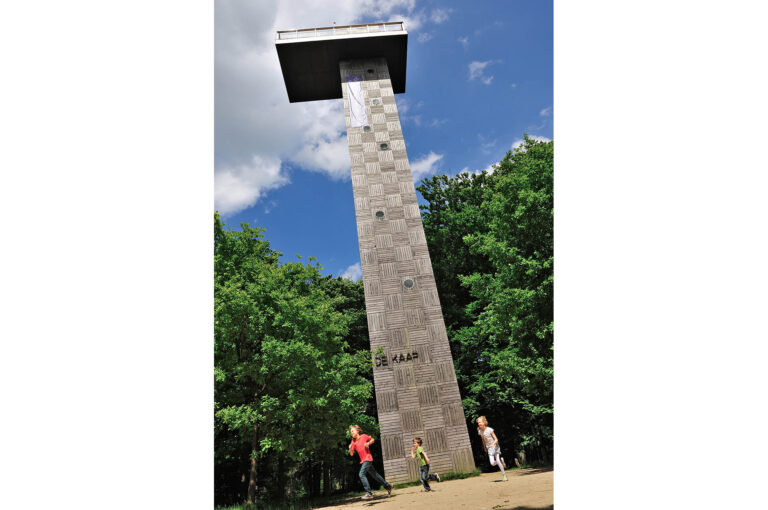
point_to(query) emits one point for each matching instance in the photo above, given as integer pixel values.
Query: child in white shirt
(491, 443)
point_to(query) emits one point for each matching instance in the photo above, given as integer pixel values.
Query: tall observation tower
(416, 389)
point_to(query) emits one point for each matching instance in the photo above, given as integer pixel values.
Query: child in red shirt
(361, 443)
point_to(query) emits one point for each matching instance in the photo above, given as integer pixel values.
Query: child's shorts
(492, 452)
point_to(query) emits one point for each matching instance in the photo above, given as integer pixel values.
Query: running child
(423, 463)
(361, 443)
(491, 443)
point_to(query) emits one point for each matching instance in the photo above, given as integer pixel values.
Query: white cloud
(489, 169)
(239, 187)
(403, 105)
(413, 21)
(405, 110)
(424, 37)
(464, 41)
(519, 142)
(324, 155)
(477, 69)
(353, 272)
(437, 122)
(485, 144)
(257, 131)
(440, 15)
(546, 112)
(268, 207)
(425, 165)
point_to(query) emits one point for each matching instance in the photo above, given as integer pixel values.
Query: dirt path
(527, 489)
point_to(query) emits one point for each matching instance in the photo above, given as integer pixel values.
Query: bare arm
(369, 443)
(413, 455)
(495, 439)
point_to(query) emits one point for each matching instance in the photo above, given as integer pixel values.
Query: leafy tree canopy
(286, 380)
(490, 236)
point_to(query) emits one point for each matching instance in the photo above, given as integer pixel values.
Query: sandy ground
(527, 489)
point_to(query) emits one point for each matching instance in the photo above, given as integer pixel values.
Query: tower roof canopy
(310, 57)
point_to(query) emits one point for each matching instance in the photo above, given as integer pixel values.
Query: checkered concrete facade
(416, 389)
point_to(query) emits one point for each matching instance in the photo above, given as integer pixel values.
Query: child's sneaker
(368, 495)
(505, 478)
(437, 477)
(389, 491)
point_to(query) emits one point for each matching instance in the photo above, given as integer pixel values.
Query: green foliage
(286, 383)
(491, 238)
(292, 358)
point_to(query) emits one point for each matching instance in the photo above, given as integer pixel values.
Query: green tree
(286, 382)
(493, 234)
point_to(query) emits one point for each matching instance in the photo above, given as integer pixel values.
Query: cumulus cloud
(425, 165)
(325, 155)
(486, 144)
(477, 71)
(258, 133)
(239, 187)
(546, 112)
(413, 21)
(424, 37)
(403, 105)
(440, 15)
(489, 169)
(353, 272)
(406, 110)
(476, 68)
(464, 41)
(519, 142)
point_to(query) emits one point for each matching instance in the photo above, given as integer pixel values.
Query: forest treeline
(292, 360)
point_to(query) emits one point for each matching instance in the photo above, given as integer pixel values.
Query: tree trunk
(281, 480)
(253, 487)
(326, 479)
(314, 477)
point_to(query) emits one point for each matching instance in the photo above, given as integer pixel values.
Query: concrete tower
(416, 389)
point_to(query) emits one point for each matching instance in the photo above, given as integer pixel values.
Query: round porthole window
(384, 146)
(376, 101)
(408, 283)
(379, 215)
(367, 128)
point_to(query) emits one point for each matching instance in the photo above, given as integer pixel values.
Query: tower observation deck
(416, 389)
(310, 57)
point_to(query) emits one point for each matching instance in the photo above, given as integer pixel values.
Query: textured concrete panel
(416, 389)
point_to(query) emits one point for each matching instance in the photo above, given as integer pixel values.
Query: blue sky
(479, 76)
